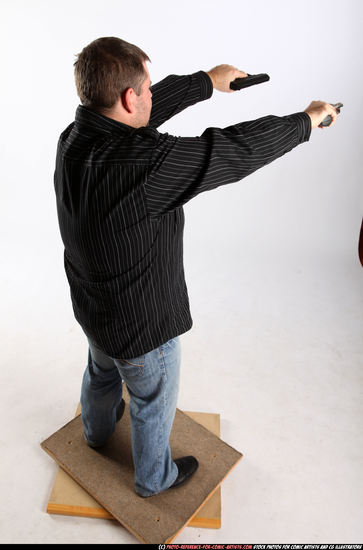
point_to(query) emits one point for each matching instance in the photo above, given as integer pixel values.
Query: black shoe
(120, 410)
(187, 465)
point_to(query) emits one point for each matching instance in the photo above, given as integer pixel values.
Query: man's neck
(118, 116)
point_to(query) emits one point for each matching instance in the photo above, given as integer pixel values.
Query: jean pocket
(132, 367)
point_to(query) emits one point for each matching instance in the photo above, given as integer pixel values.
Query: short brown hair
(106, 68)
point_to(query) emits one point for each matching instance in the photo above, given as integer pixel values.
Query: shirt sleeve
(175, 93)
(183, 167)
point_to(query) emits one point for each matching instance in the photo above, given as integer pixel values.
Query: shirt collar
(87, 117)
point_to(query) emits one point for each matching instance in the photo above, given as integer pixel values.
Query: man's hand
(223, 75)
(318, 110)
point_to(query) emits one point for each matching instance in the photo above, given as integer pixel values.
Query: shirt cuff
(206, 86)
(303, 124)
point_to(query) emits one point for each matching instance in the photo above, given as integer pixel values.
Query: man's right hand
(222, 75)
(318, 110)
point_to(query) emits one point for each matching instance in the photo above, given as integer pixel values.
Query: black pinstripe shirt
(120, 194)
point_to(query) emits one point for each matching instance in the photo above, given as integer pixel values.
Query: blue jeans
(152, 381)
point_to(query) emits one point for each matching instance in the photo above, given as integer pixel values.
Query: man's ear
(127, 98)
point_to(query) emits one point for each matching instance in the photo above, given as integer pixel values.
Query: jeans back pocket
(132, 367)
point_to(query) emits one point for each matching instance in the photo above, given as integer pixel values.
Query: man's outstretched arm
(175, 93)
(183, 167)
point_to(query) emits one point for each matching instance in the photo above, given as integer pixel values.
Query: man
(120, 187)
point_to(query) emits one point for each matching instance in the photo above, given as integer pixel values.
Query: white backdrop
(258, 253)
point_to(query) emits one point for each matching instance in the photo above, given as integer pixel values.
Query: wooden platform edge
(102, 513)
(82, 511)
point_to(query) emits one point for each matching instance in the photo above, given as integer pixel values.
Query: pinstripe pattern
(120, 193)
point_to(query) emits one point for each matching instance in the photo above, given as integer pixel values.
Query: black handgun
(327, 120)
(248, 80)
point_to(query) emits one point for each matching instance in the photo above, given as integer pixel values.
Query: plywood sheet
(107, 474)
(69, 498)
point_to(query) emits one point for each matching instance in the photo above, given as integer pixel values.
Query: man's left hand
(222, 75)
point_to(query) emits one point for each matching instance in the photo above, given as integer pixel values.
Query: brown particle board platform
(107, 478)
(69, 498)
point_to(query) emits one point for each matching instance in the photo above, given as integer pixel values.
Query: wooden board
(69, 498)
(107, 474)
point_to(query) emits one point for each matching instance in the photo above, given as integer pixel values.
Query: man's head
(112, 78)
